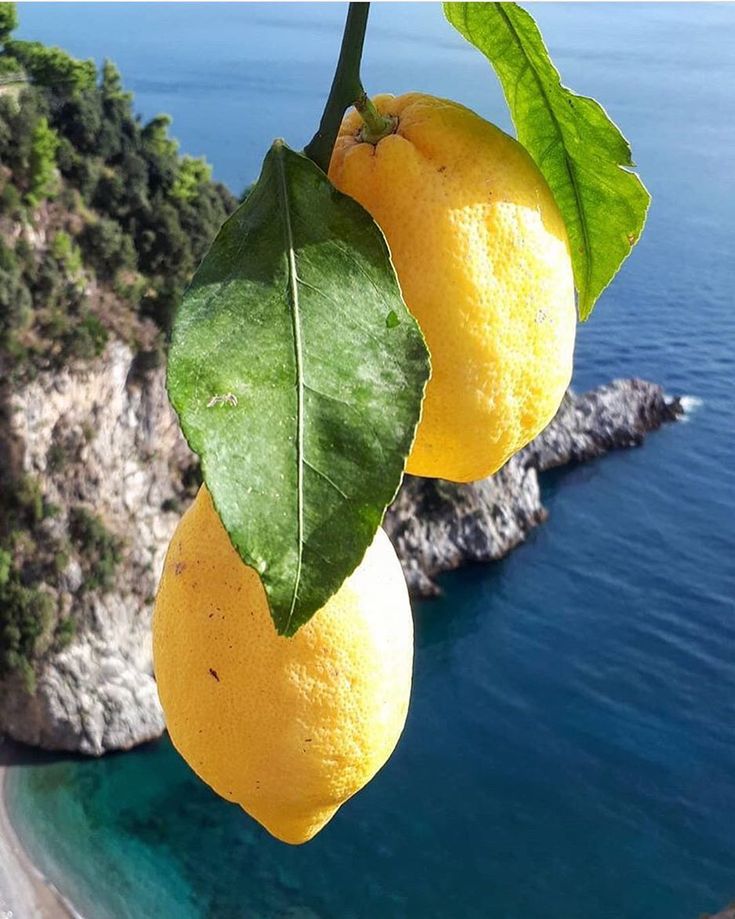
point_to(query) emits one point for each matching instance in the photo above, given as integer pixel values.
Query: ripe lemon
(289, 728)
(482, 256)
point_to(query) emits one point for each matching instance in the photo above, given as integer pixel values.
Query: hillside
(102, 223)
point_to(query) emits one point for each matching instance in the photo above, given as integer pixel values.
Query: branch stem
(347, 90)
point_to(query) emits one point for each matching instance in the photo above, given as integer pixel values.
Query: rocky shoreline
(125, 462)
(438, 526)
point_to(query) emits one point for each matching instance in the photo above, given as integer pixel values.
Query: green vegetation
(107, 248)
(31, 559)
(8, 20)
(102, 224)
(114, 197)
(25, 613)
(25, 609)
(56, 458)
(52, 67)
(67, 253)
(193, 173)
(99, 549)
(42, 163)
(65, 631)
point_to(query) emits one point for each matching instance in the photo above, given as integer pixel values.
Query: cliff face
(104, 442)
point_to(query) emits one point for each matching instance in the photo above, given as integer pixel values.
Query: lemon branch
(347, 90)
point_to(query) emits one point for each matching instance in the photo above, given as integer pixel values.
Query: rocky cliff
(105, 449)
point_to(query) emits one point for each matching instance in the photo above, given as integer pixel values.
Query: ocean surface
(570, 749)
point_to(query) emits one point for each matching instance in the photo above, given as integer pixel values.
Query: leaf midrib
(567, 160)
(293, 294)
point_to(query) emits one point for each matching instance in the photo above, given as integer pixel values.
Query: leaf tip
(279, 147)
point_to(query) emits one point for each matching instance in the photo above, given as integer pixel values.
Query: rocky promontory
(437, 526)
(108, 469)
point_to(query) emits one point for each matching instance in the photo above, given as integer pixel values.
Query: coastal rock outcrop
(437, 526)
(104, 446)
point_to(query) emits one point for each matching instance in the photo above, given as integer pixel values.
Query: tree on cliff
(102, 223)
(8, 20)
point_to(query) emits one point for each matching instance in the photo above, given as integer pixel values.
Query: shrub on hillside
(107, 248)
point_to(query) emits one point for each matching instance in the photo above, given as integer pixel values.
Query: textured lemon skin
(482, 256)
(289, 728)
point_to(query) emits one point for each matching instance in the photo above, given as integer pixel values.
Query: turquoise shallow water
(570, 749)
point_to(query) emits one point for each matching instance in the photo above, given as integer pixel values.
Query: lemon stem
(375, 125)
(347, 90)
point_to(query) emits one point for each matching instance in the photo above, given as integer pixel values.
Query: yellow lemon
(289, 728)
(482, 256)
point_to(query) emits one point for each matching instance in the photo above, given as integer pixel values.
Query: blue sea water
(570, 749)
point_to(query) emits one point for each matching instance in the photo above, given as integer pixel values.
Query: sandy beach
(24, 892)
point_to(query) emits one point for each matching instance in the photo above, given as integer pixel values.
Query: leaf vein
(568, 165)
(293, 293)
(323, 475)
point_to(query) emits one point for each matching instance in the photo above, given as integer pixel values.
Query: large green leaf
(580, 151)
(297, 374)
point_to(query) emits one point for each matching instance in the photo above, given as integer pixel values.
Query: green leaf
(294, 386)
(581, 152)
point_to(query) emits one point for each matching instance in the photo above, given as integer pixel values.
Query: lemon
(482, 257)
(289, 728)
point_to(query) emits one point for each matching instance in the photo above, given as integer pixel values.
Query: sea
(570, 748)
